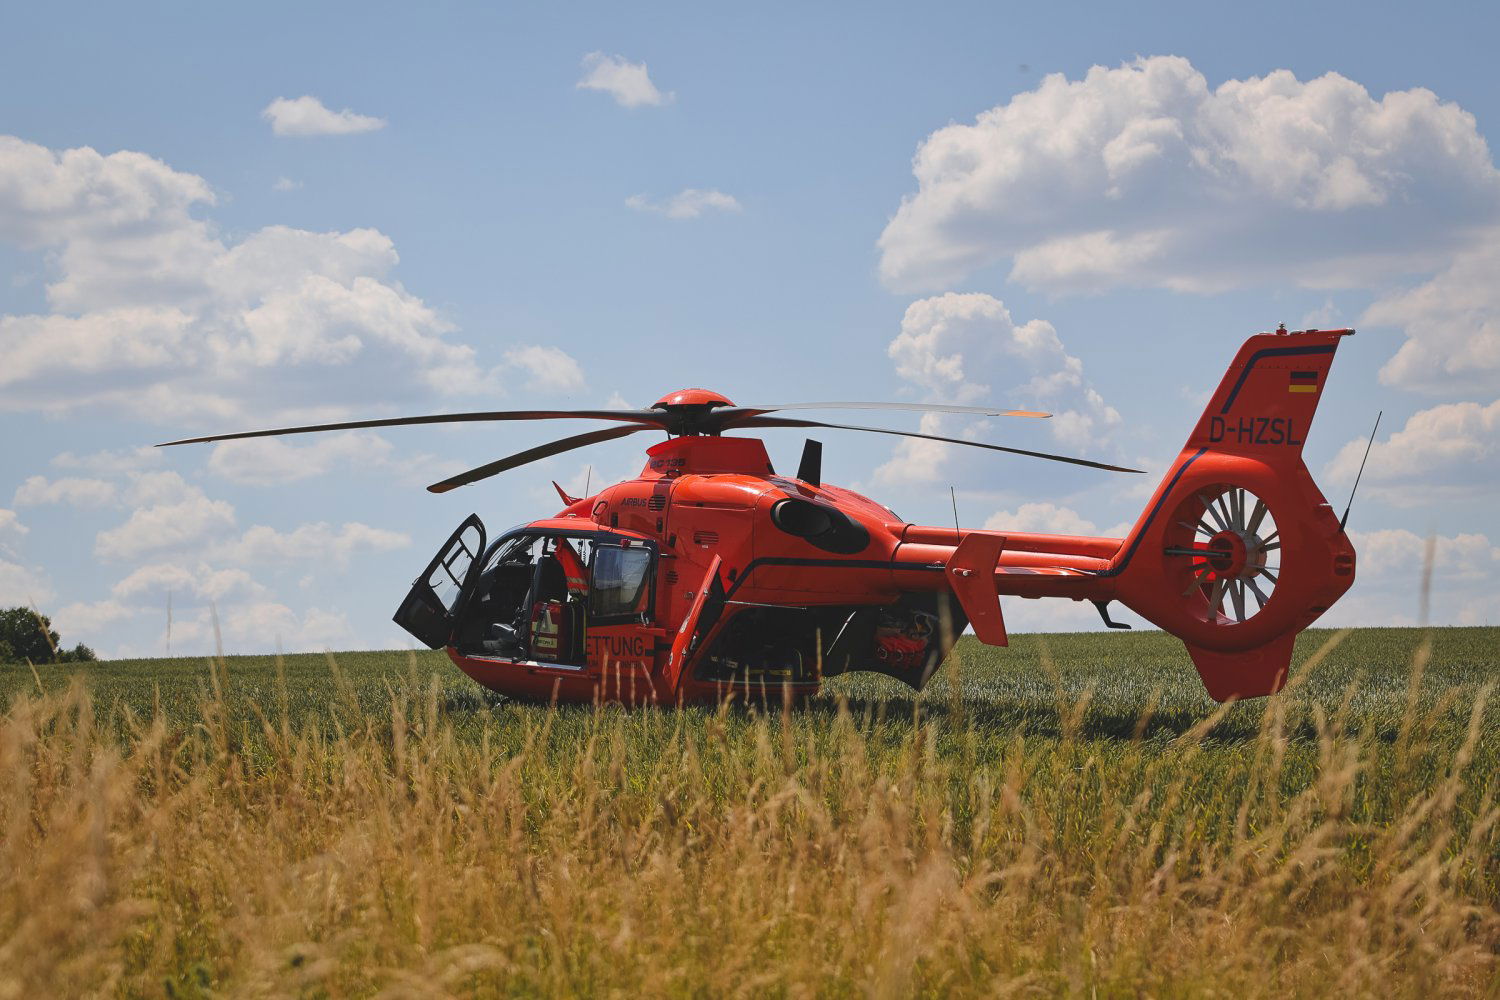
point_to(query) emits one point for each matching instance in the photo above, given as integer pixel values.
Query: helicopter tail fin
(1238, 550)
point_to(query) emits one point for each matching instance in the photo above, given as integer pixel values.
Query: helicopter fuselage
(755, 581)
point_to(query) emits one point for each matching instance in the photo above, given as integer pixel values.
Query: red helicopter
(710, 574)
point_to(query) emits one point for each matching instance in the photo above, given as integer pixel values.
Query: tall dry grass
(602, 851)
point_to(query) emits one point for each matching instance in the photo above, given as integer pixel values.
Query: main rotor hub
(692, 397)
(689, 411)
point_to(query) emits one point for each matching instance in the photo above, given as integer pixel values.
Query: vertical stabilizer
(1238, 550)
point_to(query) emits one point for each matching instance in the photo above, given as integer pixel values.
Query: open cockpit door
(431, 607)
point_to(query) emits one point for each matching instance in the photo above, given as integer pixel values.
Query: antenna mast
(1345, 519)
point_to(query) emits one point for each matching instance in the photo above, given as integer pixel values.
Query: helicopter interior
(537, 596)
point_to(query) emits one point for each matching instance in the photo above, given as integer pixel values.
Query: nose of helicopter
(692, 397)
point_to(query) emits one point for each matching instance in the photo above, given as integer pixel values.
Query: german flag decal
(1303, 382)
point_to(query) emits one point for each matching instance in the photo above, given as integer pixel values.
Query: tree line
(27, 635)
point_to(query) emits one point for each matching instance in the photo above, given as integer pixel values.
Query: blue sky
(1081, 208)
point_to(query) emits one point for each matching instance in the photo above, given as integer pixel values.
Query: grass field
(1068, 816)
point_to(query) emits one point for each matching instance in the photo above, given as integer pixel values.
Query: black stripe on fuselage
(755, 564)
(1155, 509)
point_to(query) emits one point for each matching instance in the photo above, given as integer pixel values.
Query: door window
(428, 612)
(620, 586)
(447, 577)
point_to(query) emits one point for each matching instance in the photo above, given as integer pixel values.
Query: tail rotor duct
(1226, 549)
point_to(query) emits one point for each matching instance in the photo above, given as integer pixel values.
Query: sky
(218, 218)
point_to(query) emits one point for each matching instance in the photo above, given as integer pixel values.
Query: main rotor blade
(535, 454)
(646, 418)
(793, 422)
(730, 416)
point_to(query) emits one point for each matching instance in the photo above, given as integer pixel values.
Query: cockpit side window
(620, 585)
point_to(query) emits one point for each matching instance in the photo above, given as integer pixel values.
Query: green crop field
(1071, 815)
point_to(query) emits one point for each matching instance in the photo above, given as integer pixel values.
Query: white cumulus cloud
(1042, 518)
(1451, 450)
(70, 490)
(1144, 175)
(82, 620)
(1397, 553)
(316, 542)
(689, 203)
(264, 626)
(277, 461)
(547, 368)
(158, 486)
(23, 585)
(955, 347)
(10, 525)
(199, 580)
(274, 461)
(1452, 325)
(1465, 584)
(916, 461)
(627, 82)
(1052, 519)
(306, 115)
(153, 312)
(110, 463)
(173, 515)
(50, 197)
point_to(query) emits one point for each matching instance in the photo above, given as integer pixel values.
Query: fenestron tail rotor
(1227, 550)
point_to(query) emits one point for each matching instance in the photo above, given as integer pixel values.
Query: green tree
(28, 635)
